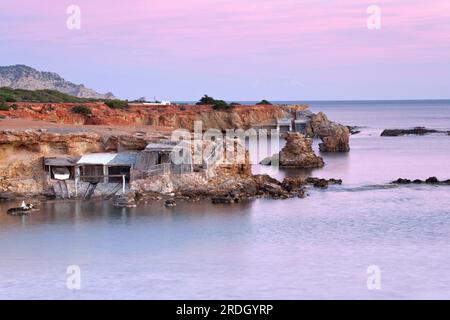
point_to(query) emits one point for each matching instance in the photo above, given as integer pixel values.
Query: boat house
(61, 168)
(156, 159)
(106, 167)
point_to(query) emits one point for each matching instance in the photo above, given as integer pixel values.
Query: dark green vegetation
(3, 106)
(264, 102)
(117, 104)
(217, 104)
(20, 95)
(81, 109)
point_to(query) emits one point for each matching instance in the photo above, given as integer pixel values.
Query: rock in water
(420, 131)
(170, 203)
(127, 200)
(298, 152)
(335, 137)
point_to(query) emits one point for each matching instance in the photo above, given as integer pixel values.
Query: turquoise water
(317, 247)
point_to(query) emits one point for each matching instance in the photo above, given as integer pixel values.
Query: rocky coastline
(22, 172)
(228, 190)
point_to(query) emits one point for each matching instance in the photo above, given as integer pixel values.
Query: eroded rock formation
(298, 152)
(335, 137)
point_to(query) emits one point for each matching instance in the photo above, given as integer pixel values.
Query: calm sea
(318, 247)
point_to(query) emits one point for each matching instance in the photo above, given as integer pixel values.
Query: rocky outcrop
(227, 191)
(420, 131)
(430, 180)
(24, 77)
(156, 184)
(298, 152)
(335, 137)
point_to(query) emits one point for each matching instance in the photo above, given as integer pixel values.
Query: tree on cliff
(206, 100)
(217, 104)
(264, 102)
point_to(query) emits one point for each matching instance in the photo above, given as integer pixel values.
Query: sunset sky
(236, 49)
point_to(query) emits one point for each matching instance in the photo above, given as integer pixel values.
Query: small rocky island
(418, 131)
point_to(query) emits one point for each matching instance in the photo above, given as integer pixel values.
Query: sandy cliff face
(175, 116)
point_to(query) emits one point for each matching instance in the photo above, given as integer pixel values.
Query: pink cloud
(312, 32)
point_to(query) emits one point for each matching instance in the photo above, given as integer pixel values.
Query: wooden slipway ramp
(90, 190)
(61, 190)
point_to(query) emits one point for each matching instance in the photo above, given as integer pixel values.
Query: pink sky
(247, 49)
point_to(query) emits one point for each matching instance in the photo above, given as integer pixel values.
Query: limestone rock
(298, 152)
(159, 184)
(335, 137)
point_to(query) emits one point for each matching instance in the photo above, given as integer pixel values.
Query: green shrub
(221, 104)
(264, 102)
(217, 104)
(81, 110)
(117, 104)
(3, 106)
(14, 106)
(206, 100)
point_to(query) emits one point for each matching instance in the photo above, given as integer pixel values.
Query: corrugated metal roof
(97, 158)
(124, 159)
(110, 159)
(61, 161)
(160, 147)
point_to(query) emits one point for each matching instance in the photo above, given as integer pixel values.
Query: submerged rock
(298, 152)
(323, 183)
(430, 180)
(271, 161)
(264, 186)
(170, 203)
(127, 200)
(414, 131)
(353, 129)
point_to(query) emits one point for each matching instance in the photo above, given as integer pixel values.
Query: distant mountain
(24, 77)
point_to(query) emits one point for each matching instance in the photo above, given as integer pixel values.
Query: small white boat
(24, 209)
(61, 173)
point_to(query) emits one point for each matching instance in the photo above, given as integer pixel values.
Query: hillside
(47, 95)
(24, 77)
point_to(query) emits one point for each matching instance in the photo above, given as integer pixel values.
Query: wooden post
(105, 174)
(123, 184)
(77, 177)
